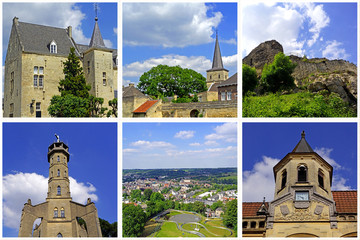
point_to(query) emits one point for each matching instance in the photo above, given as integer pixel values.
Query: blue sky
(179, 145)
(177, 34)
(78, 15)
(265, 144)
(92, 166)
(303, 28)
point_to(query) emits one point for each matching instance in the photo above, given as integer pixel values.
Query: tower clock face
(302, 196)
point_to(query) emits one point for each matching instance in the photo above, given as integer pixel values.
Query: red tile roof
(346, 201)
(250, 208)
(145, 106)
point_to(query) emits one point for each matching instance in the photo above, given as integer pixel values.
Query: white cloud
(339, 183)
(148, 144)
(168, 24)
(115, 30)
(211, 143)
(325, 154)
(333, 50)
(108, 43)
(196, 144)
(184, 134)
(262, 172)
(197, 63)
(19, 187)
(226, 132)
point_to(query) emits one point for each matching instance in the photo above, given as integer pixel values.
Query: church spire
(217, 63)
(303, 145)
(96, 38)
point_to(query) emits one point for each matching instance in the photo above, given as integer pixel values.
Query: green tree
(134, 219)
(156, 197)
(230, 215)
(165, 81)
(199, 207)
(74, 99)
(135, 195)
(249, 78)
(113, 104)
(277, 75)
(147, 194)
(107, 229)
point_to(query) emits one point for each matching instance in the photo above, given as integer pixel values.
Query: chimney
(69, 31)
(15, 20)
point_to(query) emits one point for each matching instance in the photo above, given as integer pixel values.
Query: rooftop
(145, 106)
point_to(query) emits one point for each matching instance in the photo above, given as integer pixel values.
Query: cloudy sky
(92, 166)
(265, 144)
(304, 28)
(78, 15)
(179, 145)
(177, 34)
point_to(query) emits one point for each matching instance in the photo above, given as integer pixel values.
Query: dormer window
(53, 47)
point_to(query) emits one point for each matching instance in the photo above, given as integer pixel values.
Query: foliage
(230, 215)
(74, 99)
(135, 195)
(277, 75)
(107, 229)
(147, 194)
(216, 205)
(134, 219)
(302, 104)
(113, 104)
(249, 78)
(165, 81)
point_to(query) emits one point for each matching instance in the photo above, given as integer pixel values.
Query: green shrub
(249, 78)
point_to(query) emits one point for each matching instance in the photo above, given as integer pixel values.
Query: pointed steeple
(217, 63)
(302, 146)
(96, 38)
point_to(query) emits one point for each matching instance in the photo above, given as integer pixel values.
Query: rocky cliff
(314, 74)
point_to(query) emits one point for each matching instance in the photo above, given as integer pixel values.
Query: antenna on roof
(96, 10)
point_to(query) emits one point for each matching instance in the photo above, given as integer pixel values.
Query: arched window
(53, 47)
(253, 225)
(58, 158)
(62, 212)
(261, 224)
(283, 179)
(58, 190)
(302, 172)
(321, 178)
(56, 213)
(245, 224)
(59, 235)
(58, 173)
(65, 174)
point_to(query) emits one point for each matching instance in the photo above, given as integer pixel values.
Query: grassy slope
(169, 229)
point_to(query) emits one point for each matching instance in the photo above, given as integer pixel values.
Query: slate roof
(251, 208)
(96, 38)
(145, 106)
(230, 81)
(302, 146)
(346, 201)
(217, 63)
(213, 87)
(37, 38)
(131, 91)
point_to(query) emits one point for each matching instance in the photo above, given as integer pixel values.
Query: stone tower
(217, 73)
(302, 195)
(98, 67)
(60, 216)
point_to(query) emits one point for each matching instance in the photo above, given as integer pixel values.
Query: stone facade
(33, 71)
(59, 214)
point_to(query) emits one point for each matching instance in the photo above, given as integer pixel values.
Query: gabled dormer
(53, 47)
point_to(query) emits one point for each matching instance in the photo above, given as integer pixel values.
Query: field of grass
(213, 231)
(173, 213)
(229, 177)
(149, 228)
(169, 229)
(216, 223)
(302, 104)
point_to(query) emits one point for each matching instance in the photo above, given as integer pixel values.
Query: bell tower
(58, 158)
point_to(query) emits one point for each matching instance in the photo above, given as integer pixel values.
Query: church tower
(98, 67)
(217, 73)
(59, 215)
(302, 195)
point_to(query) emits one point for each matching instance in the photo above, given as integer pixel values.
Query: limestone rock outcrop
(316, 74)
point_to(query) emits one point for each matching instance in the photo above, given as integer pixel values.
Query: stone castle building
(304, 204)
(220, 100)
(60, 216)
(34, 66)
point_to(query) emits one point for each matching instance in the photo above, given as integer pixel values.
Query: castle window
(56, 213)
(58, 173)
(41, 78)
(222, 96)
(11, 82)
(261, 224)
(59, 190)
(104, 78)
(253, 225)
(219, 76)
(321, 179)
(11, 107)
(228, 96)
(35, 80)
(88, 66)
(38, 75)
(58, 158)
(302, 174)
(245, 224)
(59, 235)
(210, 77)
(38, 109)
(62, 212)
(36, 70)
(283, 179)
(53, 47)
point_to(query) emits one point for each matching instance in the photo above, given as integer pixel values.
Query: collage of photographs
(178, 150)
